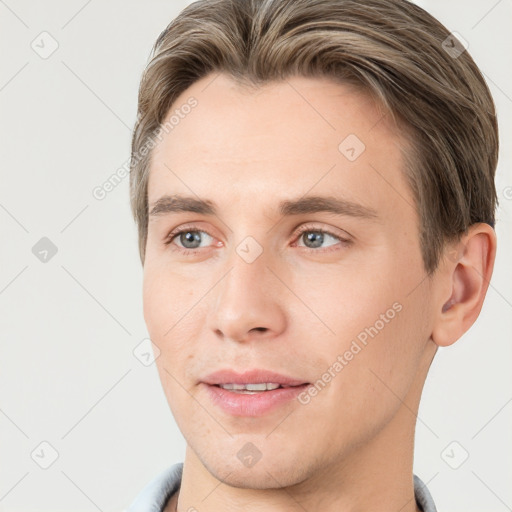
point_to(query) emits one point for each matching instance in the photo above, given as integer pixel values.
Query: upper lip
(255, 376)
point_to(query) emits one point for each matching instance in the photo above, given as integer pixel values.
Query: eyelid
(180, 229)
(312, 227)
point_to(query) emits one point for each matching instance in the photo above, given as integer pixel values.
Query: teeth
(264, 386)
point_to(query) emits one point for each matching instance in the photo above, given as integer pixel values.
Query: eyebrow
(308, 204)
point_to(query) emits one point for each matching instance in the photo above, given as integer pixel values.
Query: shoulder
(154, 495)
(423, 497)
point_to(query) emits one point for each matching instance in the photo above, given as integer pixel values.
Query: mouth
(252, 380)
(251, 393)
(254, 388)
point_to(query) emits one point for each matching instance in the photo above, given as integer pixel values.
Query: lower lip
(241, 404)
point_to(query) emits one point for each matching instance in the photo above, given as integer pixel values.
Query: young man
(313, 182)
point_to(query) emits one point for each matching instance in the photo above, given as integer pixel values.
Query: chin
(273, 474)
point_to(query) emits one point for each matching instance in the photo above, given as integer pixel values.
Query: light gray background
(68, 327)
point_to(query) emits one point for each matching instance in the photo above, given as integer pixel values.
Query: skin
(294, 311)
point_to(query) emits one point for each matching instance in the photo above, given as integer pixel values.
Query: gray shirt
(155, 494)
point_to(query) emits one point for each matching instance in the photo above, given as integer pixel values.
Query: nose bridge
(246, 298)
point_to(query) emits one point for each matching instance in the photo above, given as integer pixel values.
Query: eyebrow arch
(309, 204)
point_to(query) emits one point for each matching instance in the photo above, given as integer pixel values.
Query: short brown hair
(392, 49)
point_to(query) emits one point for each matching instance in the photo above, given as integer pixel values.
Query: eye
(317, 237)
(189, 238)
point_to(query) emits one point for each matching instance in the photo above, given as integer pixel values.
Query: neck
(374, 476)
(377, 476)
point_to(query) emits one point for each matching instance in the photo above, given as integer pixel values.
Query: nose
(248, 302)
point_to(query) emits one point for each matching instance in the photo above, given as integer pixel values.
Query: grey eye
(315, 238)
(191, 239)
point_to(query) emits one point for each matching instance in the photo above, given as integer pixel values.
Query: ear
(468, 267)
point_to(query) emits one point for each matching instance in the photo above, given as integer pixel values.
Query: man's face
(291, 292)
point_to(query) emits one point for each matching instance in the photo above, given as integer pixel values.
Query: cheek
(164, 299)
(345, 301)
(171, 321)
(153, 305)
(392, 343)
(372, 322)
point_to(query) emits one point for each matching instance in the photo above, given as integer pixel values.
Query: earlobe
(449, 327)
(468, 274)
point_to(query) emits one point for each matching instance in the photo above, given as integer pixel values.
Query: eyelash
(304, 229)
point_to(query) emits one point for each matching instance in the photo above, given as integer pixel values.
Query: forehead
(279, 140)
